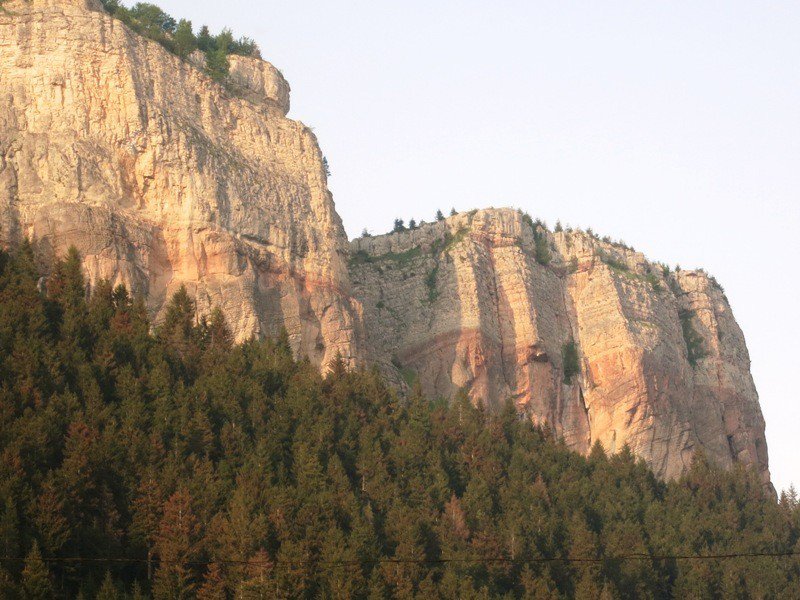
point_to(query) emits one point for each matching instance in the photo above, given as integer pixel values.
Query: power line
(359, 562)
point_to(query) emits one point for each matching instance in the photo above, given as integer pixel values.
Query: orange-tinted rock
(161, 177)
(464, 303)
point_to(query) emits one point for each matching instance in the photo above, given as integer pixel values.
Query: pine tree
(9, 531)
(205, 42)
(147, 513)
(337, 368)
(35, 576)
(213, 587)
(108, 589)
(217, 64)
(219, 334)
(180, 315)
(177, 546)
(439, 215)
(183, 40)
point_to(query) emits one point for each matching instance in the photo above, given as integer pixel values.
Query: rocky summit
(163, 177)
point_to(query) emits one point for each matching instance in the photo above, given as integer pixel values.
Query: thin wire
(535, 559)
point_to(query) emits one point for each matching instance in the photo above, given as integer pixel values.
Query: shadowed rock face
(464, 303)
(161, 177)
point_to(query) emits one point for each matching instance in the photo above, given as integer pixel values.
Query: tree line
(179, 38)
(167, 461)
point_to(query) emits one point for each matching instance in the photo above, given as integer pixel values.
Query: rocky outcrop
(161, 177)
(661, 363)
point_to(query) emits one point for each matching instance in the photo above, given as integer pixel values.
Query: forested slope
(176, 464)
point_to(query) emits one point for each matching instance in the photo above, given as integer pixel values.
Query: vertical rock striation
(663, 366)
(161, 177)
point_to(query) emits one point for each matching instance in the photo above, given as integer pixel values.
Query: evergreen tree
(217, 65)
(108, 589)
(205, 42)
(177, 547)
(9, 531)
(184, 40)
(213, 587)
(439, 215)
(182, 447)
(35, 577)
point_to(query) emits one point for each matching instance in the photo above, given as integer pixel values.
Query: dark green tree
(36, 583)
(184, 40)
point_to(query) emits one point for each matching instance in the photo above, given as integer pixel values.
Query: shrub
(693, 340)
(612, 262)
(543, 255)
(569, 356)
(430, 283)
(654, 282)
(573, 264)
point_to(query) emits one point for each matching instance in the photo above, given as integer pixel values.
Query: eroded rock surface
(464, 303)
(161, 177)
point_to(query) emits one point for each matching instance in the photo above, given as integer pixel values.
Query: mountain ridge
(162, 178)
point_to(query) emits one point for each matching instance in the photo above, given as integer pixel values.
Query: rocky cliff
(162, 177)
(596, 342)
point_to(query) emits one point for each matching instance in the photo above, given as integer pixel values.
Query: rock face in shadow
(661, 363)
(161, 177)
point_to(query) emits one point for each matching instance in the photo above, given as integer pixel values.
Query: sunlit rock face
(161, 177)
(463, 303)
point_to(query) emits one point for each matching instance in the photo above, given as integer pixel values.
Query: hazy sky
(674, 126)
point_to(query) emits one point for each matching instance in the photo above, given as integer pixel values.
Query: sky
(674, 126)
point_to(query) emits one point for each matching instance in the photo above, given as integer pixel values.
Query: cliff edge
(584, 335)
(162, 177)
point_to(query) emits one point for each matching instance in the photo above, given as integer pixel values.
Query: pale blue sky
(672, 125)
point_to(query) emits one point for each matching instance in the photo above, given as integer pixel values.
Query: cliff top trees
(152, 22)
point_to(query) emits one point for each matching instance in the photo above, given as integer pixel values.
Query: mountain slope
(163, 178)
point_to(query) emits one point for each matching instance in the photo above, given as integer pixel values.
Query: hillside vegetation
(172, 463)
(178, 36)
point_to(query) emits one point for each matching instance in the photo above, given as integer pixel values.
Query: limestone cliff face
(464, 303)
(161, 177)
